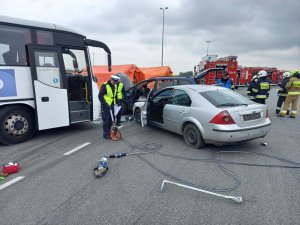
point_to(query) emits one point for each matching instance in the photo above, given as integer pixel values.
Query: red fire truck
(246, 74)
(228, 63)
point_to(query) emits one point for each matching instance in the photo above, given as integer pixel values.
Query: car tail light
(223, 118)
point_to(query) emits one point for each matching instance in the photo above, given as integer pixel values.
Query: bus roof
(35, 24)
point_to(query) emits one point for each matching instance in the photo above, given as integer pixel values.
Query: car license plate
(253, 116)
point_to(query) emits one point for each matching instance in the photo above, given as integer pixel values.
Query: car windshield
(225, 98)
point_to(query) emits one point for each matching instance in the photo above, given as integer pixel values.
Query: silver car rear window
(225, 98)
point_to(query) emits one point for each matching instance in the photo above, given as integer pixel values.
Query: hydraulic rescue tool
(103, 162)
(102, 167)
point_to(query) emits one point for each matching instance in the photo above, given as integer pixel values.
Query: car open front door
(144, 110)
(144, 120)
(51, 98)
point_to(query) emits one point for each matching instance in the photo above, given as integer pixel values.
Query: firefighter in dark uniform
(107, 97)
(121, 95)
(251, 91)
(262, 87)
(282, 92)
(293, 88)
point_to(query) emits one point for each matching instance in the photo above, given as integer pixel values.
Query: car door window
(180, 97)
(164, 83)
(165, 94)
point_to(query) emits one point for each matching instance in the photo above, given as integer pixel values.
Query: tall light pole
(162, 38)
(207, 47)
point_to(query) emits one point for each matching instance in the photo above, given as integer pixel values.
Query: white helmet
(254, 77)
(262, 73)
(286, 74)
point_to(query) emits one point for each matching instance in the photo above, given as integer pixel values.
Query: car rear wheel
(192, 136)
(16, 125)
(137, 116)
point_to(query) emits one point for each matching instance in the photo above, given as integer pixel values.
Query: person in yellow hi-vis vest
(293, 88)
(107, 97)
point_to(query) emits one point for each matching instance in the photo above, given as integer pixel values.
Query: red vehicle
(246, 74)
(228, 63)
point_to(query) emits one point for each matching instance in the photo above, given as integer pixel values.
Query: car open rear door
(51, 96)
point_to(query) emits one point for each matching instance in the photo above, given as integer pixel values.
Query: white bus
(46, 79)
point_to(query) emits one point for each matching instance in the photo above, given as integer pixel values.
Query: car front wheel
(192, 136)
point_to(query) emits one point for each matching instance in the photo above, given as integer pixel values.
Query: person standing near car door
(121, 95)
(225, 81)
(107, 97)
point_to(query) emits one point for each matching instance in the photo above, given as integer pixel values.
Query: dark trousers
(106, 121)
(280, 101)
(119, 116)
(260, 100)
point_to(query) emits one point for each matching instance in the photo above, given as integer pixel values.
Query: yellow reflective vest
(119, 91)
(110, 97)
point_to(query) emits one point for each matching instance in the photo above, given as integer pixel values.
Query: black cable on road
(155, 147)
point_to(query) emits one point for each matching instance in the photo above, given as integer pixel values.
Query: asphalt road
(61, 189)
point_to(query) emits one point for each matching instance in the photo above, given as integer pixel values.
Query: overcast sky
(259, 32)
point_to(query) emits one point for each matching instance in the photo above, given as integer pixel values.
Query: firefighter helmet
(286, 74)
(254, 77)
(294, 72)
(262, 73)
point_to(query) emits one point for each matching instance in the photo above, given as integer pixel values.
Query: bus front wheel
(16, 125)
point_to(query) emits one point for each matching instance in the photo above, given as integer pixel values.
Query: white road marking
(5, 185)
(77, 148)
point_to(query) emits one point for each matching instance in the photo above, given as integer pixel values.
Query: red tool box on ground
(10, 168)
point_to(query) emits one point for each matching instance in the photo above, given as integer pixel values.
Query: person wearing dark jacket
(107, 97)
(225, 81)
(252, 91)
(262, 87)
(282, 92)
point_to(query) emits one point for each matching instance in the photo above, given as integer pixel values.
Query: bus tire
(16, 124)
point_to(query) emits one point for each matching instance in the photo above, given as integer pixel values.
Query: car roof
(168, 78)
(199, 87)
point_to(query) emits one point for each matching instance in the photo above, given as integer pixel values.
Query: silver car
(204, 114)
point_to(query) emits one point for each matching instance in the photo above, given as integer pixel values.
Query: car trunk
(247, 116)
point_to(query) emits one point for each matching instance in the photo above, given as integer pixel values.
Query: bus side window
(9, 58)
(12, 45)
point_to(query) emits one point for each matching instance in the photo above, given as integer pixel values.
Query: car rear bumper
(237, 135)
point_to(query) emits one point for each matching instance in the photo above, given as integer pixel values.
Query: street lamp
(207, 47)
(162, 38)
